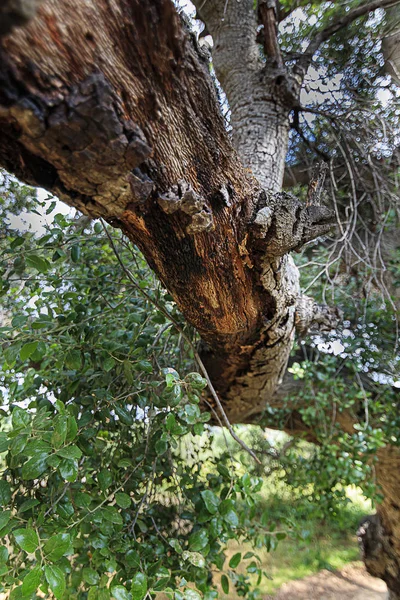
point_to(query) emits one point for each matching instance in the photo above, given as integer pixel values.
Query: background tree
(93, 118)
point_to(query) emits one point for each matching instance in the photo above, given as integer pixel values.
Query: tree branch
(268, 14)
(336, 25)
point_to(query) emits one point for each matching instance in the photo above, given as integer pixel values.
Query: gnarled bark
(112, 108)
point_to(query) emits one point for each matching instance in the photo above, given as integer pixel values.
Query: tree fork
(128, 127)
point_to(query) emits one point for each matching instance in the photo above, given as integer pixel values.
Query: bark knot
(183, 197)
(283, 223)
(315, 317)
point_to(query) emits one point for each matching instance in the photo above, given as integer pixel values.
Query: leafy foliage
(102, 488)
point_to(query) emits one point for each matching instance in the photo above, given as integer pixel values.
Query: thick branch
(125, 124)
(338, 23)
(260, 94)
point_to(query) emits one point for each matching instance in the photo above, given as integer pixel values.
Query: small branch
(316, 184)
(316, 317)
(268, 15)
(312, 145)
(291, 222)
(336, 25)
(189, 341)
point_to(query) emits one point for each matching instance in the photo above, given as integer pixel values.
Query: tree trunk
(260, 93)
(379, 535)
(112, 108)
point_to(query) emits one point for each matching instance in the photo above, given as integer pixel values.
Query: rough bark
(379, 535)
(260, 94)
(111, 107)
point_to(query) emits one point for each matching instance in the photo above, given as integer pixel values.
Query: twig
(336, 25)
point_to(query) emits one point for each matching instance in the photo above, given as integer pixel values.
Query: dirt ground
(351, 583)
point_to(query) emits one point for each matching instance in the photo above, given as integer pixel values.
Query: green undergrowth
(313, 543)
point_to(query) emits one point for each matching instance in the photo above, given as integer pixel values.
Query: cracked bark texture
(260, 94)
(125, 124)
(379, 534)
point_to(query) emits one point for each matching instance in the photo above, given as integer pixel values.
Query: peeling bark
(126, 125)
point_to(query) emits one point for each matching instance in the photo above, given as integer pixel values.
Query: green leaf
(32, 581)
(28, 504)
(70, 452)
(73, 360)
(72, 429)
(18, 443)
(98, 228)
(119, 592)
(111, 514)
(123, 415)
(38, 263)
(132, 559)
(27, 539)
(5, 493)
(196, 381)
(211, 501)
(109, 364)
(123, 500)
(3, 442)
(128, 372)
(139, 586)
(222, 470)
(90, 576)
(20, 418)
(235, 560)
(19, 321)
(60, 431)
(144, 365)
(105, 479)
(175, 545)
(198, 540)
(35, 466)
(225, 584)
(195, 558)
(56, 580)
(4, 518)
(18, 241)
(27, 350)
(75, 253)
(3, 554)
(68, 469)
(57, 546)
